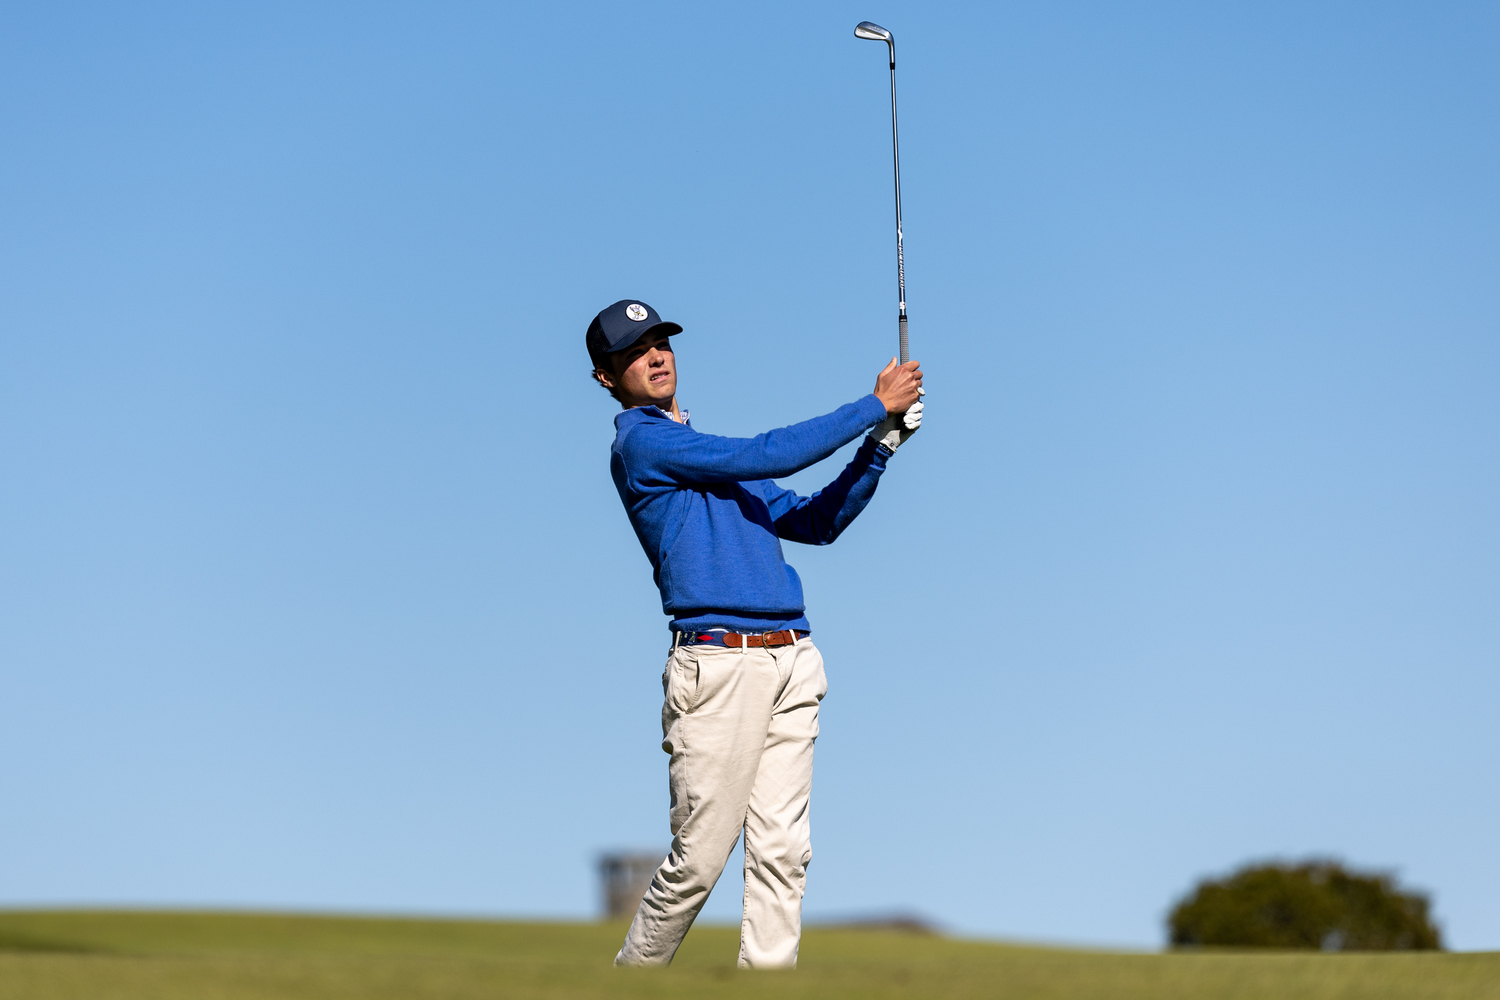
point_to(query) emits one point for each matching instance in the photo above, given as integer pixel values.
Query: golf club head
(875, 33)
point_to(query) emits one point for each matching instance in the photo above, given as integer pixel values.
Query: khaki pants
(740, 725)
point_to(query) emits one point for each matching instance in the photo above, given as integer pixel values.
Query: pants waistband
(737, 640)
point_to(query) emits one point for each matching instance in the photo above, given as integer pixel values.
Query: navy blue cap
(621, 325)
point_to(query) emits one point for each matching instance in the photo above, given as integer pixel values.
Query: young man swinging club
(743, 678)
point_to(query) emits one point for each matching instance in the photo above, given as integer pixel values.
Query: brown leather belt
(735, 640)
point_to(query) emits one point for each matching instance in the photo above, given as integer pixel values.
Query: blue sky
(314, 589)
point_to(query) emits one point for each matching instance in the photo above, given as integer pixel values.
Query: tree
(1317, 904)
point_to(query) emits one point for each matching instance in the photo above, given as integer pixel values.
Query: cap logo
(636, 311)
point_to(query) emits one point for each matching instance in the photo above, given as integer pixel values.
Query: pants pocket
(680, 682)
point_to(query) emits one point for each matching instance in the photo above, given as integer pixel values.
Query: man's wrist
(885, 437)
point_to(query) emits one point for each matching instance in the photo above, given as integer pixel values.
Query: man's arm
(822, 517)
(658, 451)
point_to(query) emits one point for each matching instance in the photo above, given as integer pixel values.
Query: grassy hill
(110, 955)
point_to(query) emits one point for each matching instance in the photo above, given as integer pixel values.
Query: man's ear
(604, 378)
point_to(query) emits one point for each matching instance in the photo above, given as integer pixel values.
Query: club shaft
(900, 250)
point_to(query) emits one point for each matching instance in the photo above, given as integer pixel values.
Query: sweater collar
(638, 413)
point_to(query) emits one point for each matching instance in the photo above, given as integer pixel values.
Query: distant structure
(903, 921)
(623, 878)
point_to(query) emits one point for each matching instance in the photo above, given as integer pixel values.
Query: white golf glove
(897, 427)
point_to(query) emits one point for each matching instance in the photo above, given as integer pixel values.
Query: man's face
(645, 372)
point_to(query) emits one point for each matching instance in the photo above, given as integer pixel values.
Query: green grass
(53, 955)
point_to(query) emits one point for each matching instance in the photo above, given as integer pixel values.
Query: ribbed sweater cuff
(873, 408)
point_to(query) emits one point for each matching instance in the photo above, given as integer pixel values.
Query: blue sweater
(711, 520)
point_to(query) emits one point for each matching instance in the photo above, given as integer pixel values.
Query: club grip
(905, 356)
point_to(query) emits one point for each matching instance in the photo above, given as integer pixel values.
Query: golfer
(743, 679)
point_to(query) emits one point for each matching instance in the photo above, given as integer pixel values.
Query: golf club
(875, 33)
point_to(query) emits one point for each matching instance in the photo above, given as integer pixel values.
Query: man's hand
(897, 427)
(899, 386)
